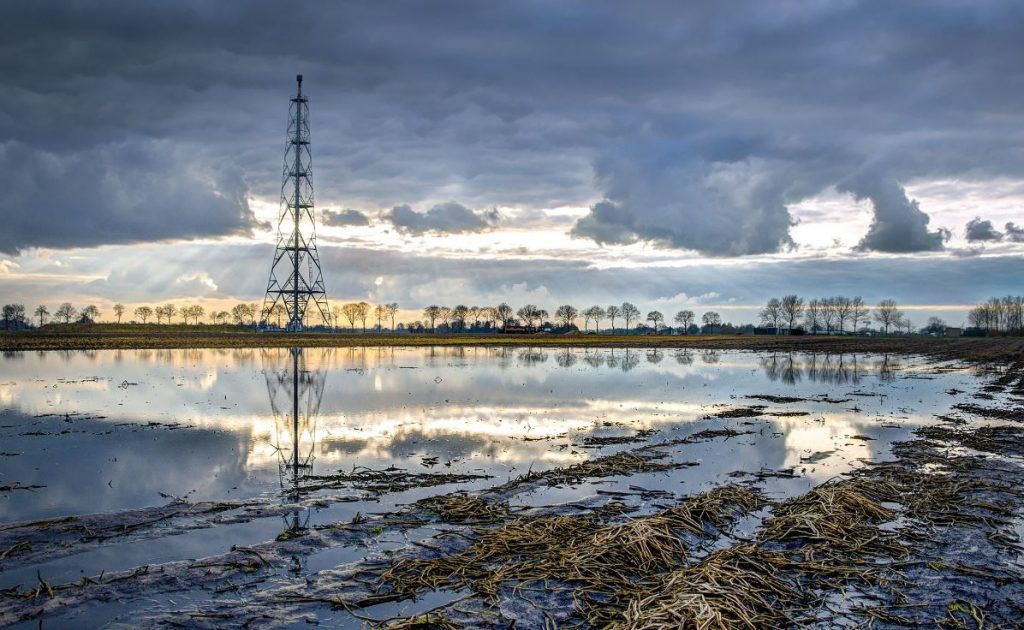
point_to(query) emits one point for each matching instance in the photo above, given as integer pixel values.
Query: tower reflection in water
(295, 391)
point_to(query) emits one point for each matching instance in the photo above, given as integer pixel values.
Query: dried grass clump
(460, 508)
(618, 464)
(520, 538)
(823, 513)
(838, 520)
(603, 558)
(738, 587)
(717, 507)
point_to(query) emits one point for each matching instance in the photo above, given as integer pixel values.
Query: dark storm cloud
(1013, 233)
(978, 230)
(341, 218)
(444, 218)
(693, 124)
(135, 191)
(898, 225)
(722, 209)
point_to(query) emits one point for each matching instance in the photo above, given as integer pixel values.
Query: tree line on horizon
(790, 314)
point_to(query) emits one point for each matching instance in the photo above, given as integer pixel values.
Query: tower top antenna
(298, 78)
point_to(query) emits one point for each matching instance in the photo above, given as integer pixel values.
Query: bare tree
(812, 316)
(905, 325)
(859, 312)
(169, 311)
(771, 314)
(351, 313)
(431, 313)
(829, 316)
(459, 314)
(612, 312)
(711, 319)
(490, 315)
(594, 313)
(364, 312)
(655, 316)
(528, 313)
(888, 314)
(90, 313)
(380, 313)
(629, 313)
(475, 312)
(196, 312)
(446, 316)
(685, 320)
(935, 326)
(844, 310)
(66, 312)
(504, 313)
(144, 313)
(567, 314)
(251, 310)
(391, 310)
(278, 312)
(238, 312)
(542, 316)
(999, 315)
(119, 311)
(14, 315)
(42, 313)
(792, 310)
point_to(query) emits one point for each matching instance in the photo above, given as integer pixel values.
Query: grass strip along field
(128, 337)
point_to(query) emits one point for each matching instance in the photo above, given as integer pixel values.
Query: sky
(705, 155)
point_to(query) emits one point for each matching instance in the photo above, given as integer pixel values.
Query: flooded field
(291, 486)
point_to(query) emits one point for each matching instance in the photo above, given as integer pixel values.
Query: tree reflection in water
(532, 356)
(825, 367)
(710, 356)
(566, 357)
(593, 357)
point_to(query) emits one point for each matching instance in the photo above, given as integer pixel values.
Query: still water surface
(111, 431)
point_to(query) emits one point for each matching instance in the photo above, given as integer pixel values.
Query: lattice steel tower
(296, 260)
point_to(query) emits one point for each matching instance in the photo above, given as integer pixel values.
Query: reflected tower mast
(296, 260)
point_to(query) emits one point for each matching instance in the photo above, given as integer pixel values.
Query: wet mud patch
(752, 411)
(1015, 414)
(388, 480)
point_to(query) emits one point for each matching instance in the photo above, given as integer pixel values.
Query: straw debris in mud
(1002, 440)
(737, 587)
(461, 508)
(622, 463)
(836, 520)
(379, 482)
(602, 560)
(997, 413)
